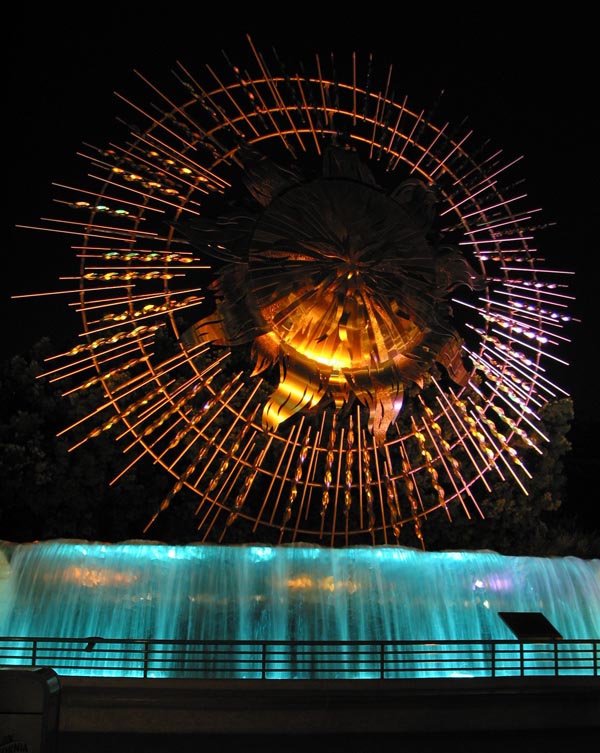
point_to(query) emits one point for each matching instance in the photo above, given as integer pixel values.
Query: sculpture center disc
(336, 261)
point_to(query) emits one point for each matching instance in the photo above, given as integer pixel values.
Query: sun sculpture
(309, 304)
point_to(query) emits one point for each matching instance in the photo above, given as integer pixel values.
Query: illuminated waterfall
(297, 592)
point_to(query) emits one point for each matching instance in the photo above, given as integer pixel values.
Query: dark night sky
(527, 86)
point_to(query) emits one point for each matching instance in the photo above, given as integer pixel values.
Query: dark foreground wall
(80, 708)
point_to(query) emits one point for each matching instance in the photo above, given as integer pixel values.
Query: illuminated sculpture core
(339, 286)
(312, 306)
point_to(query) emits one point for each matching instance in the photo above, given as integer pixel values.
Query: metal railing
(274, 659)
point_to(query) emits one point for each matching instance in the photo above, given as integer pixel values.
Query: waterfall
(71, 589)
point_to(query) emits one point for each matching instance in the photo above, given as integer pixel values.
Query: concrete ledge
(125, 705)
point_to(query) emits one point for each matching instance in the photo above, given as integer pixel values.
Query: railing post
(556, 672)
(263, 662)
(382, 660)
(34, 652)
(522, 658)
(493, 658)
(146, 659)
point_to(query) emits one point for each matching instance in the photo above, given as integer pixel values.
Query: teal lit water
(300, 592)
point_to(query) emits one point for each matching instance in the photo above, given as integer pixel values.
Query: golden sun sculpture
(310, 305)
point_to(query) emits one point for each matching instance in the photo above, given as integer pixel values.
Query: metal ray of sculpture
(365, 346)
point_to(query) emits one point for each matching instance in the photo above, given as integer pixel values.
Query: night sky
(527, 86)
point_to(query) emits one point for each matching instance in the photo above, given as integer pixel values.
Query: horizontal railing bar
(303, 642)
